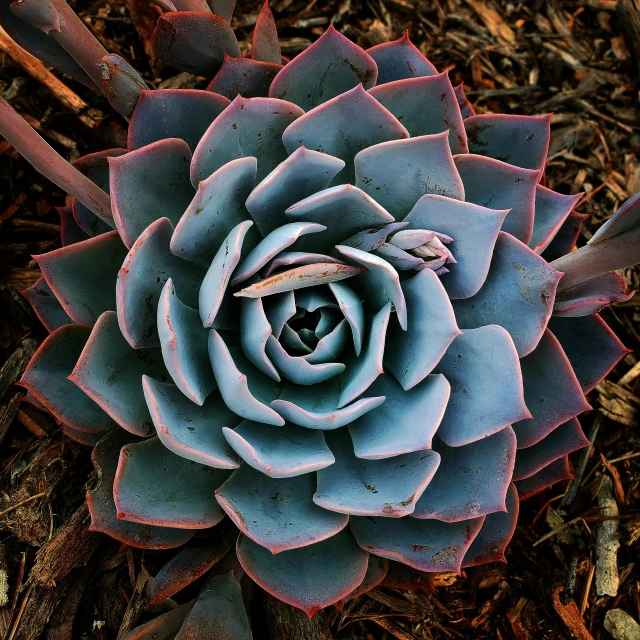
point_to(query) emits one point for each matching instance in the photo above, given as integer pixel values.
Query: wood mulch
(570, 57)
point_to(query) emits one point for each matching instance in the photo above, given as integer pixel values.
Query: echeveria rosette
(323, 313)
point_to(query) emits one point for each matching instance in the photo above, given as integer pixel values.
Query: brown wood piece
(286, 622)
(629, 16)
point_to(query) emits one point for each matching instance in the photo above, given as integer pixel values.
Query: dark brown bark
(286, 622)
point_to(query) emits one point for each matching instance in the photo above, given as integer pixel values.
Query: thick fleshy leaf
(551, 211)
(351, 307)
(163, 627)
(624, 219)
(139, 182)
(254, 333)
(153, 486)
(279, 452)
(399, 259)
(388, 487)
(555, 472)
(245, 77)
(297, 368)
(471, 481)
(406, 422)
(328, 68)
(73, 271)
(246, 390)
(265, 45)
(145, 270)
(379, 284)
(519, 140)
(565, 240)
(277, 513)
(474, 230)
(411, 355)
(316, 407)
(121, 84)
(191, 431)
(194, 41)
(46, 306)
(218, 613)
(400, 576)
(247, 127)
(496, 532)
(309, 578)
(400, 59)
(81, 437)
(222, 8)
(590, 296)
(310, 275)
(189, 564)
(293, 258)
(302, 174)
(398, 173)
(376, 572)
(103, 510)
(592, 347)
(46, 378)
(331, 127)
(364, 369)
(211, 296)
(216, 209)
(278, 310)
(270, 246)
(426, 105)
(426, 545)
(495, 184)
(371, 239)
(291, 341)
(160, 114)
(466, 108)
(344, 210)
(563, 440)
(518, 295)
(315, 298)
(486, 386)
(110, 372)
(551, 390)
(331, 346)
(183, 341)
(70, 231)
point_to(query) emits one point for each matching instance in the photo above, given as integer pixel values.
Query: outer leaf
(400, 59)
(400, 576)
(489, 182)
(265, 45)
(160, 114)
(222, 8)
(590, 296)
(426, 545)
(406, 421)
(398, 173)
(471, 481)
(46, 306)
(555, 472)
(551, 390)
(194, 41)
(146, 269)
(496, 532)
(70, 231)
(562, 441)
(376, 572)
(425, 105)
(624, 219)
(565, 240)
(190, 431)
(332, 129)
(103, 511)
(245, 77)
(412, 355)
(466, 108)
(279, 452)
(139, 182)
(244, 393)
(475, 231)
(110, 372)
(46, 378)
(328, 68)
(520, 299)
(486, 386)
(309, 578)
(277, 513)
(73, 271)
(552, 210)
(247, 127)
(145, 491)
(218, 613)
(163, 627)
(592, 347)
(301, 175)
(388, 487)
(519, 140)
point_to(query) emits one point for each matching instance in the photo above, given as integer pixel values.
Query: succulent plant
(337, 307)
